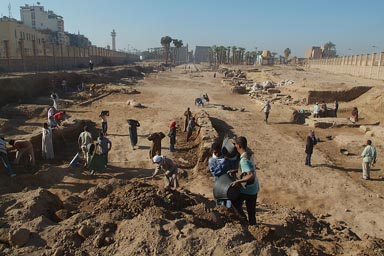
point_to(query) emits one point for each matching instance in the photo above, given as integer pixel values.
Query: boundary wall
(369, 66)
(59, 57)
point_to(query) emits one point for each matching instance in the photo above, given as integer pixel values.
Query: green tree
(247, 57)
(166, 43)
(211, 55)
(178, 44)
(213, 51)
(329, 50)
(234, 49)
(241, 55)
(223, 50)
(228, 54)
(287, 52)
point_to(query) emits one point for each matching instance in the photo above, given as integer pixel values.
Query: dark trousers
(189, 134)
(308, 159)
(250, 203)
(133, 135)
(266, 114)
(6, 163)
(104, 127)
(105, 155)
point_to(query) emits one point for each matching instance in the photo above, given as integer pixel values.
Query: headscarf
(157, 159)
(173, 124)
(311, 133)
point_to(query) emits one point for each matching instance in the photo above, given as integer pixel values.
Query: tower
(113, 34)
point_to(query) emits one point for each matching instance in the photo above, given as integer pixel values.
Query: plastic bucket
(223, 190)
(228, 149)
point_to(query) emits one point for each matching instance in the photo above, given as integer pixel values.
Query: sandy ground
(332, 187)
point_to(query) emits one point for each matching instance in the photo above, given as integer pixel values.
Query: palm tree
(329, 49)
(247, 57)
(234, 48)
(287, 52)
(178, 44)
(213, 52)
(241, 55)
(217, 55)
(228, 53)
(210, 55)
(166, 43)
(223, 50)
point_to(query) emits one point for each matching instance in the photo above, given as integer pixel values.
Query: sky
(354, 26)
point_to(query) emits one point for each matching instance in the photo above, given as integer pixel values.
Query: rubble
(19, 237)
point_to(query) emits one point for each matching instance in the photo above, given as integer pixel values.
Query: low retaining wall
(207, 135)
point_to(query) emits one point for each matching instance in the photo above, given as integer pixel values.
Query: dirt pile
(39, 202)
(120, 217)
(26, 111)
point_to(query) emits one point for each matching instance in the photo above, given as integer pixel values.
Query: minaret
(113, 34)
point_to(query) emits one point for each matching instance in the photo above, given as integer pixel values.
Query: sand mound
(27, 206)
(122, 217)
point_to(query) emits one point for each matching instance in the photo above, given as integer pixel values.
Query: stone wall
(364, 65)
(208, 135)
(41, 63)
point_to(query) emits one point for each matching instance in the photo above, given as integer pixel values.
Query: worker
(187, 117)
(132, 128)
(22, 146)
(155, 148)
(4, 158)
(172, 136)
(85, 138)
(170, 170)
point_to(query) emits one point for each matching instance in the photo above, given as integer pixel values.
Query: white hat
(157, 159)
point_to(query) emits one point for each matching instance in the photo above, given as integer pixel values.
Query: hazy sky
(355, 26)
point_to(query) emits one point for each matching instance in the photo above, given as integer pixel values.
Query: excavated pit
(340, 95)
(24, 88)
(121, 216)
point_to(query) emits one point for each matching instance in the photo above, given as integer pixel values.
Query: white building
(35, 17)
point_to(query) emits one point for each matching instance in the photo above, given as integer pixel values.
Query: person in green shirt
(248, 181)
(369, 158)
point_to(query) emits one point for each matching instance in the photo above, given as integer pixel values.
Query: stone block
(364, 128)
(273, 90)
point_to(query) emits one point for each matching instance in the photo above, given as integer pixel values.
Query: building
(78, 40)
(202, 54)
(265, 58)
(37, 18)
(180, 54)
(14, 35)
(315, 52)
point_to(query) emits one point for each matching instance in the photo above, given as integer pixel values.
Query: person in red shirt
(60, 116)
(22, 146)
